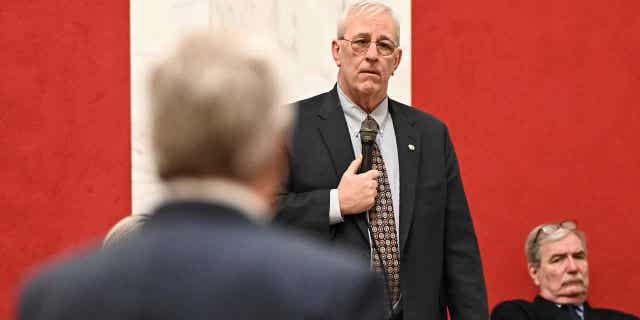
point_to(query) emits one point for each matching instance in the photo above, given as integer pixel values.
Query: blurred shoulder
(314, 274)
(55, 291)
(313, 255)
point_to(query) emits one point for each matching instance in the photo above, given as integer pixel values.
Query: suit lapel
(408, 144)
(335, 135)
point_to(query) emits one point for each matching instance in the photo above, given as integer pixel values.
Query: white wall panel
(299, 34)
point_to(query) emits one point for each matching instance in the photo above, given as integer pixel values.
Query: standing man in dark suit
(432, 263)
(557, 262)
(206, 253)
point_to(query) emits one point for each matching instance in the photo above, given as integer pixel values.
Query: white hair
(368, 7)
(124, 229)
(215, 110)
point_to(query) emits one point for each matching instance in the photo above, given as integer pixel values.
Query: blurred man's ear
(533, 273)
(268, 182)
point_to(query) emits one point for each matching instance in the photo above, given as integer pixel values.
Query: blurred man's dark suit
(196, 260)
(439, 257)
(542, 309)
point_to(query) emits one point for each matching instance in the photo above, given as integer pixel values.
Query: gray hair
(532, 245)
(215, 110)
(368, 7)
(124, 229)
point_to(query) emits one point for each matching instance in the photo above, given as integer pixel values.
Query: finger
(370, 203)
(372, 174)
(355, 165)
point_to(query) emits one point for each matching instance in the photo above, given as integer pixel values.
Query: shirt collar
(580, 307)
(222, 191)
(357, 115)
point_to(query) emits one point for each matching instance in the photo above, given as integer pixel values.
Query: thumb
(355, 165)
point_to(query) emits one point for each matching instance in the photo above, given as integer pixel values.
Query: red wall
(64, 130)
(543, 101)
(539, 96)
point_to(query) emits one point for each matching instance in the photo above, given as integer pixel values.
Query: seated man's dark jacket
(542, 309)
(196, 260)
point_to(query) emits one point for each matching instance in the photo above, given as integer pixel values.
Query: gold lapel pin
(411, 147)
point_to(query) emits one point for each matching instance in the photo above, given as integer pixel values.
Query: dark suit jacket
(197, 260)
(542, 309)
(440, 263)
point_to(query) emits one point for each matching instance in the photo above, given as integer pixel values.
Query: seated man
(557, 259)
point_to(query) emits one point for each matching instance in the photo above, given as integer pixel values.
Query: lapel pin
(411, 147)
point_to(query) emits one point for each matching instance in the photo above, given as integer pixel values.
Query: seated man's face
(563, 274)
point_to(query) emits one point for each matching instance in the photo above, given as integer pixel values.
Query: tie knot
(368, 130)
(369, 124)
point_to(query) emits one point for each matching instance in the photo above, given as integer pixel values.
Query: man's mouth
(370, 72)
(573, 282)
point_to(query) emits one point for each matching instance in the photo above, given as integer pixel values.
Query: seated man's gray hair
(550, 232)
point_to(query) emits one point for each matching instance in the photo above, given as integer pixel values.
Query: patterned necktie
(383, 226)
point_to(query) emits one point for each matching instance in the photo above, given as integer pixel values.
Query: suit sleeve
(307, 210)
(464, 285)
(302, 207)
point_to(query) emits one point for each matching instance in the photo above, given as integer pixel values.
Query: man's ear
(397, 58)
(269, 182)
(533, 273)
(335, 51)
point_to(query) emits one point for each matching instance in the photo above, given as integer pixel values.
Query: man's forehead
(568, 245)
(367, 23)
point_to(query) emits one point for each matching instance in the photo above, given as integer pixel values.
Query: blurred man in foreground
(218, 134)
(557, 261)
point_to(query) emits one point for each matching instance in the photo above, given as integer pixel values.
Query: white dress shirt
(386, 140)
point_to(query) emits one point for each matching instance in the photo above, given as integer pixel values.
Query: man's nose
(372, 51)
(571, 265)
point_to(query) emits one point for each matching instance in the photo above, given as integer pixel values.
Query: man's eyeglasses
(551, 228)
(361, 45)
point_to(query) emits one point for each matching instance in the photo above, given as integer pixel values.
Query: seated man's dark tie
(573, 311)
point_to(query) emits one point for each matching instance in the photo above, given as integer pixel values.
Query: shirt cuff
(335, 216)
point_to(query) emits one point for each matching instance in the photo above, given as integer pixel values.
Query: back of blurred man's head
(216, 114)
